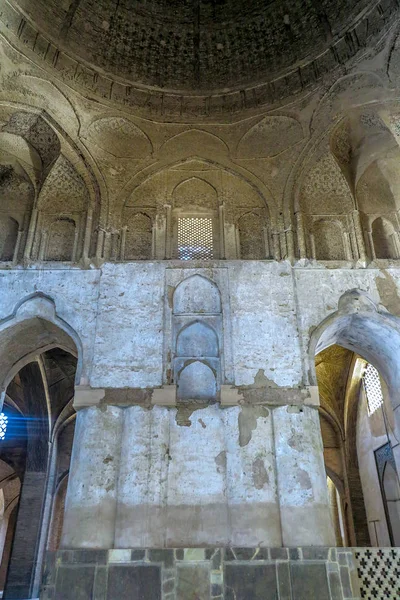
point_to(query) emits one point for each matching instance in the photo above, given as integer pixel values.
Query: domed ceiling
(191, 59)
(197, 45)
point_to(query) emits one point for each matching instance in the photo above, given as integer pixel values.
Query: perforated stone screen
(379, 573)
(3, 425)
(195, 238)
(373, 389)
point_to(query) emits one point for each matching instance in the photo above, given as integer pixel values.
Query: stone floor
(202, 574)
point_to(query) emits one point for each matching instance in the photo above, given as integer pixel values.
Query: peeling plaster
(247, 422)
(260, 475)
(220, 461)
(304, 479)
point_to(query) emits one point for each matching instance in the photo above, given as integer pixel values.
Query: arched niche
(196, 294)
(64, 193)
(34, 327)
(196, 189)
(195, 192)
(8, 237)
(137, 237)
(61, 243)
(197, 340)
(359, 326)
(328, 240)
(196, 381)
(16, 202)
(252, 237)
(197, 333)
(384, 239)
(324, 189)
(373, 192)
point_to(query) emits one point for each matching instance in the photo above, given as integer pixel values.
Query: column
(100, 244)
(17, 246)
(31, 234)
(302, 487)
(168, 231)
(88, 233)
(290, 245)
(301, 241)
(221, 231)
(359, 236)
(123, 242)
(91, 502)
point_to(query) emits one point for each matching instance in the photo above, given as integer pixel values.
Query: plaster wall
(247, 474)
(118, 313)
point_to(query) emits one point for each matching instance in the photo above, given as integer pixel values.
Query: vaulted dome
(204, 45)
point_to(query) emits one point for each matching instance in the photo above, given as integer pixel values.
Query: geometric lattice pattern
(379, 573)
(195, 238)
(3, 425)
(373, 389)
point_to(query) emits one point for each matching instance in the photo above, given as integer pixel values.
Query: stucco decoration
(252, 236)
(384, 239)
(325, 190)
(193, 143)
(44, 95)
(269, 137)
(350, 91)
(374, 195)
(150, 193)
(63, 188)
(16, 201)
(62, 205)
(38, 133)
(328, 239)
(342, 149)
(139, 235)
(195, 192)
(285, 57)
(120, 137)
(15, 146)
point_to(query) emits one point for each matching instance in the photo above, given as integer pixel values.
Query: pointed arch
(195, 191)
(34, 327)
(196, 294)
(197, 339)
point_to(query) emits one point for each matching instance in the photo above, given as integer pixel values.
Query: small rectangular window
(195, 238)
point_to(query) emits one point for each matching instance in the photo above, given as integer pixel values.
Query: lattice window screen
(3, 425)
(378, 573)
(195, 238)
(373, 389)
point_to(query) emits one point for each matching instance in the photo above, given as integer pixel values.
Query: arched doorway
(38, 364)
(357, 374)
